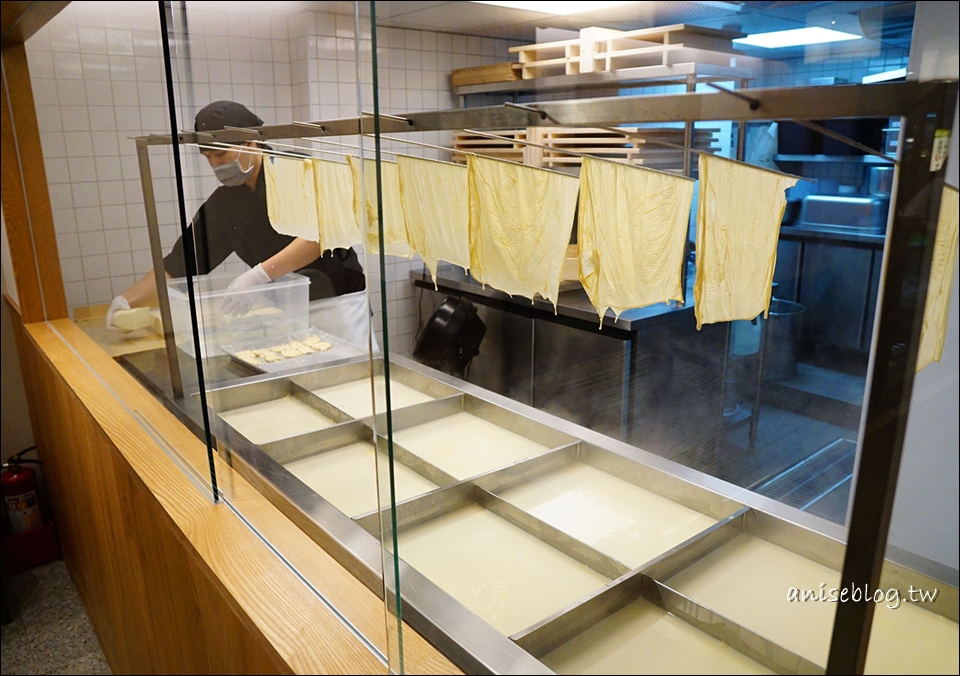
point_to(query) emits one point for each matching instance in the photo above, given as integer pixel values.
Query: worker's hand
(119, 303)
(237, 304)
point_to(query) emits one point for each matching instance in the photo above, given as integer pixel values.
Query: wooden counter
(173, 582)
(92, 321)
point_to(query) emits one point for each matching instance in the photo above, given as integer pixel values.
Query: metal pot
(880, 181)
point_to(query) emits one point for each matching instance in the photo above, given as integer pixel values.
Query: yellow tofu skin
(292, 197)
(933, 333)
(738, 223)
(436, 210)
(632, 232)
(520, 223)
(394, 229)
(339, 227)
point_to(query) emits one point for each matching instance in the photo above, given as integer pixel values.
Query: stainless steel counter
(833, 271)
(573, 305)
(548, 357)
(836, 234)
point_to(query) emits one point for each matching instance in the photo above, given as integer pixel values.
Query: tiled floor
(833, 384)
(50, 632)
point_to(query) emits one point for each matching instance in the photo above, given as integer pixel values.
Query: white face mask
(232, 174)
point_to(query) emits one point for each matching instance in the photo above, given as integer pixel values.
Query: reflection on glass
(770, 404)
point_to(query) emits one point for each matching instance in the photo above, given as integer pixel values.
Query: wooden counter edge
(304, 648)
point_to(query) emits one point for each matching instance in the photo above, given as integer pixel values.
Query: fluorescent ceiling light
(812, 35)
(561, 8)
(883, 77)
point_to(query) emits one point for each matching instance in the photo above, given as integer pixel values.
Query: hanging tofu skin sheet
(632, 233)
(933, 333)
(339, 227)
(738, 224)
(292, 197)
(520, 223)
(436, 210)
(394, 230)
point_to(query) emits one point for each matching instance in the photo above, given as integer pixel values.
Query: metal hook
(544, 115)
(310, 125)
(255, 132)
(389, 117)
(562, 151)
(453, 151)
(754, 103)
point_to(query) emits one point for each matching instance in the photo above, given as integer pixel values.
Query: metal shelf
(642, 76)
(847, 159)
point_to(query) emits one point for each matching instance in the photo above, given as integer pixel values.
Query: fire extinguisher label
(24, 511)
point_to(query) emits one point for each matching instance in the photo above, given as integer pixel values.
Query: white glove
(119, 303)
(239, 304)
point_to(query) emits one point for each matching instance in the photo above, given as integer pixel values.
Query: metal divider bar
(738, 637)
(560, 540)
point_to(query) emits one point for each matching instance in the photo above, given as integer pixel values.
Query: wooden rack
(588, 141)
(605, 50)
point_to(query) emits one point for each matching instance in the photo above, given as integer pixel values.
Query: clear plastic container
(224, 317)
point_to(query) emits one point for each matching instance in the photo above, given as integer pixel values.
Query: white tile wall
(98, 79)
(413, 75)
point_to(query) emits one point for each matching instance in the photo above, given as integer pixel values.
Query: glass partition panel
(291, 360)
(680, 458)
(552, 418)
(98, 80)
(915, 621)
(183, 160)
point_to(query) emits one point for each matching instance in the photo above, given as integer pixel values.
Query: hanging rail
(888, 99)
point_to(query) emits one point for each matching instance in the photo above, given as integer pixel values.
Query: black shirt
(235, 220)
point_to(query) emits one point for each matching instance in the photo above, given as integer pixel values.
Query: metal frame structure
(924, 108)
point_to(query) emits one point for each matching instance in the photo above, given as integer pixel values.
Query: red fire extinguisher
(20, 493)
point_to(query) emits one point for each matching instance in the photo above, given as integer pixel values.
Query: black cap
(220, 114)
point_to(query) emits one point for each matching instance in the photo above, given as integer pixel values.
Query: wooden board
(496, 72)
(115, 343)
(603, 49)
(604, 143)
(35, 182)
(509, 148)
(16, 217)
(23, 156)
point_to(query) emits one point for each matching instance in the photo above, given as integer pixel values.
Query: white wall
(97, 73)
(98, 80)
(9, 285)
(926, 515)
(413, 75)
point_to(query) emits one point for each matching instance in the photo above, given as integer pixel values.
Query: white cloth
(738, 224)
(346, 316)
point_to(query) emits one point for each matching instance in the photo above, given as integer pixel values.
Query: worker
(234, 220)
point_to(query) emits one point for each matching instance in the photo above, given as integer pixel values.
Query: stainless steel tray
(339, 350)
(464, 636)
